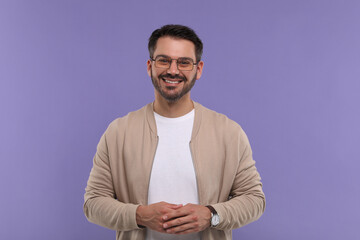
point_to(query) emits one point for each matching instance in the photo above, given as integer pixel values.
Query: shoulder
(219, 125)
(134, 118)
(217, 120)
(224, 134)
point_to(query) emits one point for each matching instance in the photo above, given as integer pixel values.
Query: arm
(100, 205)
(247, 201)
(246, 204)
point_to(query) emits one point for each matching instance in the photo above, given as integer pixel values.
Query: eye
(184, 62)
(163, 60)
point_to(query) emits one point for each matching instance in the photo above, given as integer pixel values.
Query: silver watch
(215, 219)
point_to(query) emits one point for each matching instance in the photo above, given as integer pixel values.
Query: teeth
(171, 81)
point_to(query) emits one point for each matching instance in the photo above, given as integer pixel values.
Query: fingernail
(165, 217)
(165, 225)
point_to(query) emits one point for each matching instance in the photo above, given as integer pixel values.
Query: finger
(168, 209)
(184, 229)
(180, 221)
(175, 206)
(180, 212)
(168, 204)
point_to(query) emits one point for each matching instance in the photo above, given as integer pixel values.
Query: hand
(151, 216)
(190, 218)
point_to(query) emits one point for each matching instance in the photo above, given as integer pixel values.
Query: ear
(199, 68)
(148, 65)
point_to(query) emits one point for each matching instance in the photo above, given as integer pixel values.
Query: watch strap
(214, 220)
(212, 210)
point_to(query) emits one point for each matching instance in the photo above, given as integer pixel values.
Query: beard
(172, 97)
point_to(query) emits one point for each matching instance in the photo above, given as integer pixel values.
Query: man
(174, 169)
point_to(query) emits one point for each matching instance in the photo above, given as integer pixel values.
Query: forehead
(174, 47)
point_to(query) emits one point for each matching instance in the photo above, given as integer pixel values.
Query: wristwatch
(215, 219)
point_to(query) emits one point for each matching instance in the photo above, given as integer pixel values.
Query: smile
(172, 82)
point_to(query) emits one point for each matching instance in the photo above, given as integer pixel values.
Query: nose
(173, 70)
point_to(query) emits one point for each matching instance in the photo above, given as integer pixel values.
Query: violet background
(287, 71)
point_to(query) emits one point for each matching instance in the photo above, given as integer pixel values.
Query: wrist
(208, 217)
(139, 216)
(215, 219)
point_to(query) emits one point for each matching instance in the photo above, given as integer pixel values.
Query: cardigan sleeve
(100, 205)
(246, 201)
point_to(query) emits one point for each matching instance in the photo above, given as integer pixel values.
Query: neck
(173, 109)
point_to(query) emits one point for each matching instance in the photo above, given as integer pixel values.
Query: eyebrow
(162, 55)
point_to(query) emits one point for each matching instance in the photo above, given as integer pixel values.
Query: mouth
(172, 81)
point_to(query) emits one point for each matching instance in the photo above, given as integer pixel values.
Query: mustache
(177, 76)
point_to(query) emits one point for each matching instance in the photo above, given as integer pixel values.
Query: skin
(173, 48)
(168, 217)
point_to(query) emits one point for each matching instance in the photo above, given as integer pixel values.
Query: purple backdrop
(287, 71)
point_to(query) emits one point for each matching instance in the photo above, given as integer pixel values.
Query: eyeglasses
(183, 64)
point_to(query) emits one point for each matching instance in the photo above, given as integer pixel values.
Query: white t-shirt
(173, 177)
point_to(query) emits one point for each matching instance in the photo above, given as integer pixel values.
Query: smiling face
(172, 84)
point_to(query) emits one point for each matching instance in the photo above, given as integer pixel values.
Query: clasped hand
(174, 218)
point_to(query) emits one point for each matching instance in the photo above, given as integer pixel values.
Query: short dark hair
(177, 32)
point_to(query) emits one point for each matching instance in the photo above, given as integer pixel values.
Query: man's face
(172, 84)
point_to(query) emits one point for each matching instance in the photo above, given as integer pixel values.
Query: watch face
(215, 220)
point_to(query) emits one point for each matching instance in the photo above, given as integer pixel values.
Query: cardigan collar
(197, 119)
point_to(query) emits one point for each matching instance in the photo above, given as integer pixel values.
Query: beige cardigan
(225, 173)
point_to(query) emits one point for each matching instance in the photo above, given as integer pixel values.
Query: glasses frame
(177, 63)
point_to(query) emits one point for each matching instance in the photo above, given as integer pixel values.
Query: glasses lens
(162, 62)
(185, 64)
